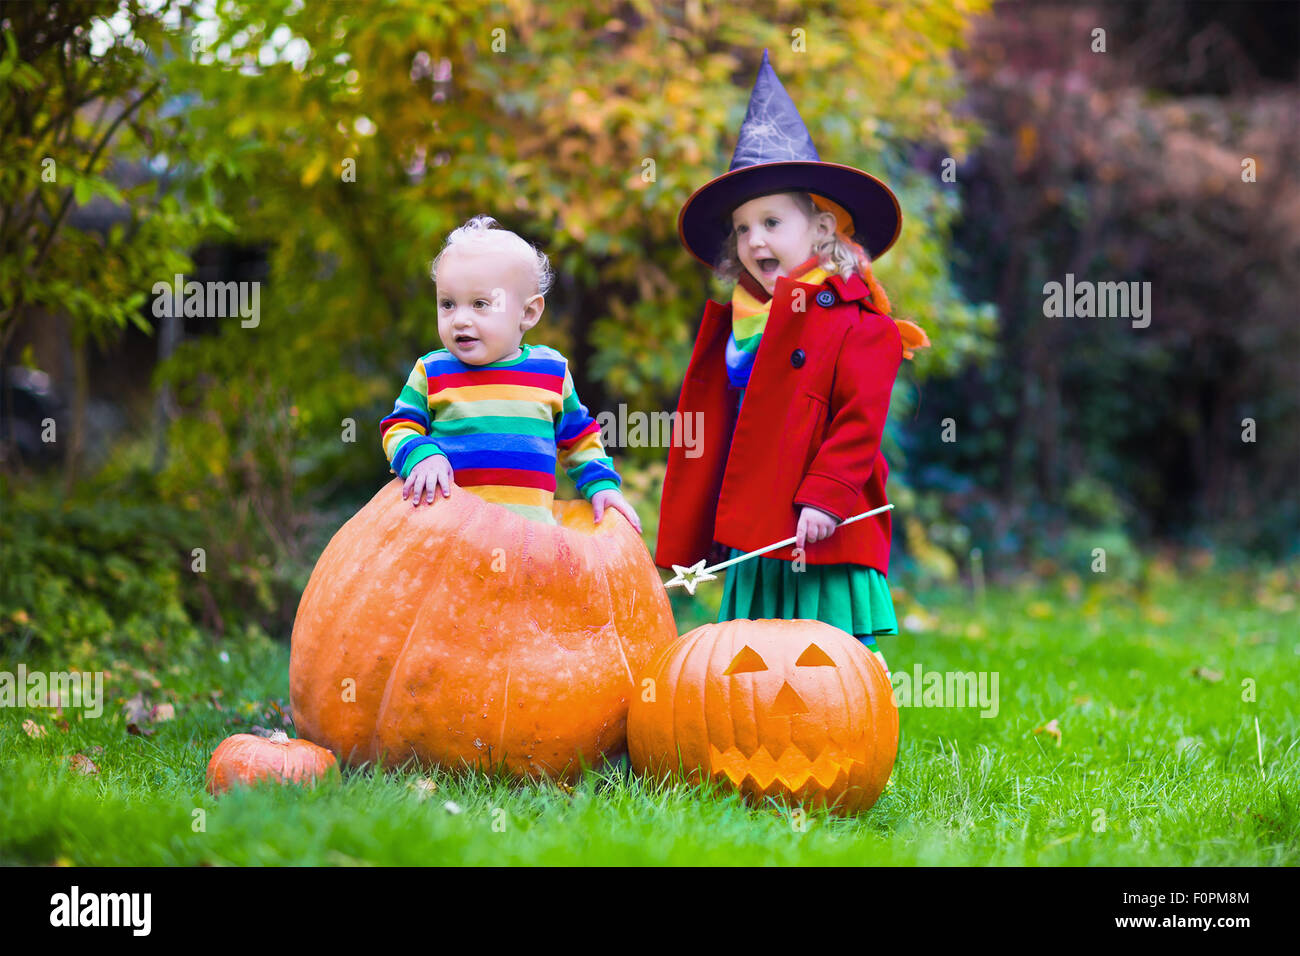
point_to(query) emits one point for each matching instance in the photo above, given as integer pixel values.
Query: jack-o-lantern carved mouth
(792, 768)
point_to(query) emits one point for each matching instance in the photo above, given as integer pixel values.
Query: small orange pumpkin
(461, 633)
(792, 709)
(247, 758)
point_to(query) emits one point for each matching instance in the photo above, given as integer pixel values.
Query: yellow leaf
(313, 172)
(1052, 729)
(1039, 610)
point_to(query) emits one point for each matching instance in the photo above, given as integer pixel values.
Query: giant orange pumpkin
(463, 633)
(796, 710)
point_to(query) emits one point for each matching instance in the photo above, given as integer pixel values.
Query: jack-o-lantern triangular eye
(814, 656)
(746, 662)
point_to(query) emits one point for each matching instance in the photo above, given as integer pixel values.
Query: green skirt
(852, 597)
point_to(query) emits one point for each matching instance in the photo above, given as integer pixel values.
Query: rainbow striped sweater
(502, 426)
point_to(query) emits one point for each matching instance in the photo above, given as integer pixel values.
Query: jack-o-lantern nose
(788, 703)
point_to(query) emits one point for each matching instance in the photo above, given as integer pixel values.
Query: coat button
(796, 358)
(826, 298)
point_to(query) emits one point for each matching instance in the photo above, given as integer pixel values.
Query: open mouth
(465, 340)
(768, 266)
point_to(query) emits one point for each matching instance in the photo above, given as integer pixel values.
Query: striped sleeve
(578, 446)
(404, 433)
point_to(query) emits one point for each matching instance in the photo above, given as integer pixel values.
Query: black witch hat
(775, 154)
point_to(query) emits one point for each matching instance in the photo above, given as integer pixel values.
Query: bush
(92, 581)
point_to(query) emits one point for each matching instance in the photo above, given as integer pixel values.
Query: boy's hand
(610, 498)
(814, 525)
(431, 473)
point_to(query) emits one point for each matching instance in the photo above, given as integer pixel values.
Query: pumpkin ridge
(674, 655)
(870, 734)
(505, 702)
(611, 617)
(850, 712)
(309, 660)
(712, 646)
(381, 712)
(668, 695)
(753, 698)
(876, 749)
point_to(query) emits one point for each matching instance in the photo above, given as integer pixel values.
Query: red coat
(808, 434)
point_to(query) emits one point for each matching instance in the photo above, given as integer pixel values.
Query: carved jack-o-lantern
(796, 709)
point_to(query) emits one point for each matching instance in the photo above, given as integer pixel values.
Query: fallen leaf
(135, 730)
(62, 725)
(135, 710)
(33, 729)
(1207, 675)
(1052, 729)
(163, 712)
(424, 788)
(82, 764)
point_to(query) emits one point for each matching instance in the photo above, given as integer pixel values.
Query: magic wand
(697, 573)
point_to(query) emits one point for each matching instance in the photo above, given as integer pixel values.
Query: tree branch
(7, 323)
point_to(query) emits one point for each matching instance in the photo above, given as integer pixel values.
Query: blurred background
(324, 151)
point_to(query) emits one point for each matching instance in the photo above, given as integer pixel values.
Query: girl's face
(773, 235)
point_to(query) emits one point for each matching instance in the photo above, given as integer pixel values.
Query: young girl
(793, 378)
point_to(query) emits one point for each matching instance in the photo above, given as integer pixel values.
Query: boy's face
(487, 300)
(773, 236)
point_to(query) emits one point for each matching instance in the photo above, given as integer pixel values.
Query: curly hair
(483, 231)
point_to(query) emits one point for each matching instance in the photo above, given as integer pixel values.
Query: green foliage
(547, 129)
(86, 582)
(1082, 173)
(74, 110)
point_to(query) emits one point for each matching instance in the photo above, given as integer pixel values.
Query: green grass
(1147, 691)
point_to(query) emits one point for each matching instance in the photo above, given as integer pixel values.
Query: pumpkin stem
(279, 737)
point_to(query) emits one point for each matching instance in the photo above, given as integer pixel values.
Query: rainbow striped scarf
(750, 305)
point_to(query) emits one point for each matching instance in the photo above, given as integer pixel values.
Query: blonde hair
(483, 232)
(835, 254)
